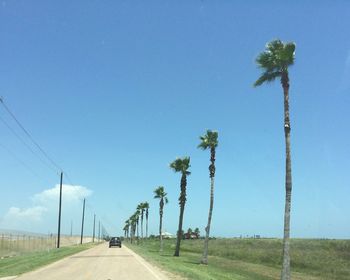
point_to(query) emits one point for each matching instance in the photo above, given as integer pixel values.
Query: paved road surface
(98, 263)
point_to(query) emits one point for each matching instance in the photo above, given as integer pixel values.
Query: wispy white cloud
(33, 213)
(44, 208)
(22, 218)
(69, 194)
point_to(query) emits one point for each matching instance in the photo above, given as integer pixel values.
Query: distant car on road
(115, 241)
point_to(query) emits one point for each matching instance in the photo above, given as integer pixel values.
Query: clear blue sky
(115, 90)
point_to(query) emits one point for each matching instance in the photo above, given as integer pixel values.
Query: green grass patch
(28, 262)
(252, 259)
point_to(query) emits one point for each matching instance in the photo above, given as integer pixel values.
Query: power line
(30, 137)
(25, 144)
(19, 160)
(69, 179)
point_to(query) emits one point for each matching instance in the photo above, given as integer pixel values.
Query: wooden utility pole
(59, 214)
(93, 232)
(82, 224)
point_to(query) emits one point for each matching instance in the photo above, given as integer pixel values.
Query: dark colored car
(115, 241)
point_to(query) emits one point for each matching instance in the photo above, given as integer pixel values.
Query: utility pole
(71, 228)
(59, 214)
(82, 224)
(93, 232)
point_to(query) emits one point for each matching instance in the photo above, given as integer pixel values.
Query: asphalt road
(98, 263)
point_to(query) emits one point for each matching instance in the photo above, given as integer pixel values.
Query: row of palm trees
(131, 227)
(181, 165)
(274, 62)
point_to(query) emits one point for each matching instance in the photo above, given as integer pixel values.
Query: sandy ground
(98, 263)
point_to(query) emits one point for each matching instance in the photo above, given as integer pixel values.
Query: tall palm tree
(160, 194)
(136, 217)
(132, 220)
(274, 62)
(146, 207)
(141, 210)
(181, 165)
(127, 228)
(209, 141)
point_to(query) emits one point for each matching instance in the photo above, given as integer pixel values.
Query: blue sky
(115, 91)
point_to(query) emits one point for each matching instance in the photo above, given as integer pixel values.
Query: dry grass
(12, 245)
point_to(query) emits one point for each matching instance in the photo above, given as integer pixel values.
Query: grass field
(252, 259)
(30, 261)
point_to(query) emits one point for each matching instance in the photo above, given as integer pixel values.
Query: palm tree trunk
(207, 229)
(285, 275)
(131, 233)
(182, 201)
(160, 228)
(146, 223)
(179, 231)
(142, 227)
(137, 227)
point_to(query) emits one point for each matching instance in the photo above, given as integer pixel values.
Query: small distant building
(192, 235)
(168, 235)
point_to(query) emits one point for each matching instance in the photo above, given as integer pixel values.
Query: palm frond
(266, 61)
(160, 193)
(181, 165)
(274, 46)
(176, 165)
(267, 77)
(275, 60)
(209, 140)
(288, 54)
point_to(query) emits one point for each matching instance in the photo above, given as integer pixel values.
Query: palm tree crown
(161, 194)
(209, 140)
(181, 165)
(275, 61)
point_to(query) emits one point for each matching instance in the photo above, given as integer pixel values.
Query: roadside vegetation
(27, 262)
(251, 259)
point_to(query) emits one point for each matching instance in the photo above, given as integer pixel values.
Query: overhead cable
(30, 136)
(25, 144)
